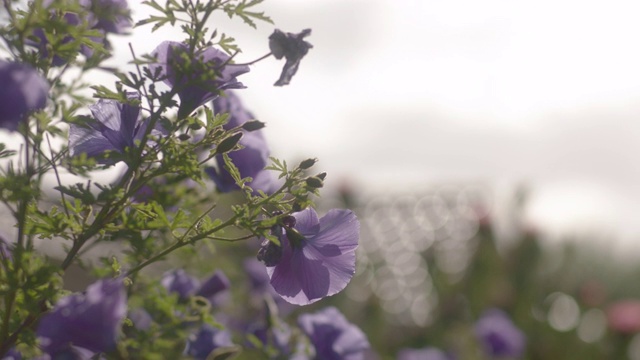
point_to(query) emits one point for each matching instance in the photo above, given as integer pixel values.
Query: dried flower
(293, 48)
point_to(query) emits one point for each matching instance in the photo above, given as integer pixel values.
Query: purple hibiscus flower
(39, 40)
(277, 336)
(333, 337)
(185, 285)
(114, 127)
(87, 322)
(112, 16)
(209, 73)
(319, 263)
(251, 159)
(108, 16)
(181, 283)
(141, 319)
(498, 335)
(206, 340)
(102, 15)
(23, 90)
(293, 48)
(428, 353)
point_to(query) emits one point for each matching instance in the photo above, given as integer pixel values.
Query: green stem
(178, 244)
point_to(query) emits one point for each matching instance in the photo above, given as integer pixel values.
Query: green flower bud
(228, 143)
(253, 125)
(314, 182)
(307, 163)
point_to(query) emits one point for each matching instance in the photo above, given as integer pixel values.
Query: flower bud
(314, 182)
(228, 143)
(269, 253)
(307, 163)
(289, 221)
(253, 125)
(294, 236)
(322, 175)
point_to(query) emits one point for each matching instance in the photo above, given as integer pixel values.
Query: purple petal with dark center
(498, 335)
(324, 261)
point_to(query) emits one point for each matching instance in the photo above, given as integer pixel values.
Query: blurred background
(396, 97)
(489, 149)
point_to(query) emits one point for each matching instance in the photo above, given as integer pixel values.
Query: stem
(256, 60)
(17, 254)
(55, 170)
(178, 244)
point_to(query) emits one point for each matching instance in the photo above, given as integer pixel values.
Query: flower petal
(307, 222)
(341, 268)
(88, 141)
(90, 320)
(339, 228)
(299, 280)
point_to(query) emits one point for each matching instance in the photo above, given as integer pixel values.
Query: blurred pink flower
(624, 316)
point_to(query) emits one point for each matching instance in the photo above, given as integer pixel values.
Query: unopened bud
(269, 253)
(307, 163)
(295, 238)
(314, 182)
(289, 221)
(184, 137)
(228, 143)
(253, 125)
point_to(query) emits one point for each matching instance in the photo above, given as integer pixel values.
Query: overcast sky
(398, 95)
(403, 94)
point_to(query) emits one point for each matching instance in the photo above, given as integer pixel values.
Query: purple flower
(109, 16)
(322, 261)
(23, 90)
(277, 335)
(208, 339)
(178, 281)
(333, 337)
(498, 335)
(196, 78)
(112, 16)
(293, 48)
(114, 127)
(67, 20)
(260, 287)
(88, 321)
(252, 159)
(213, 286)
(13, 354)
(428, 353)
(185, 285)
(141, 319)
